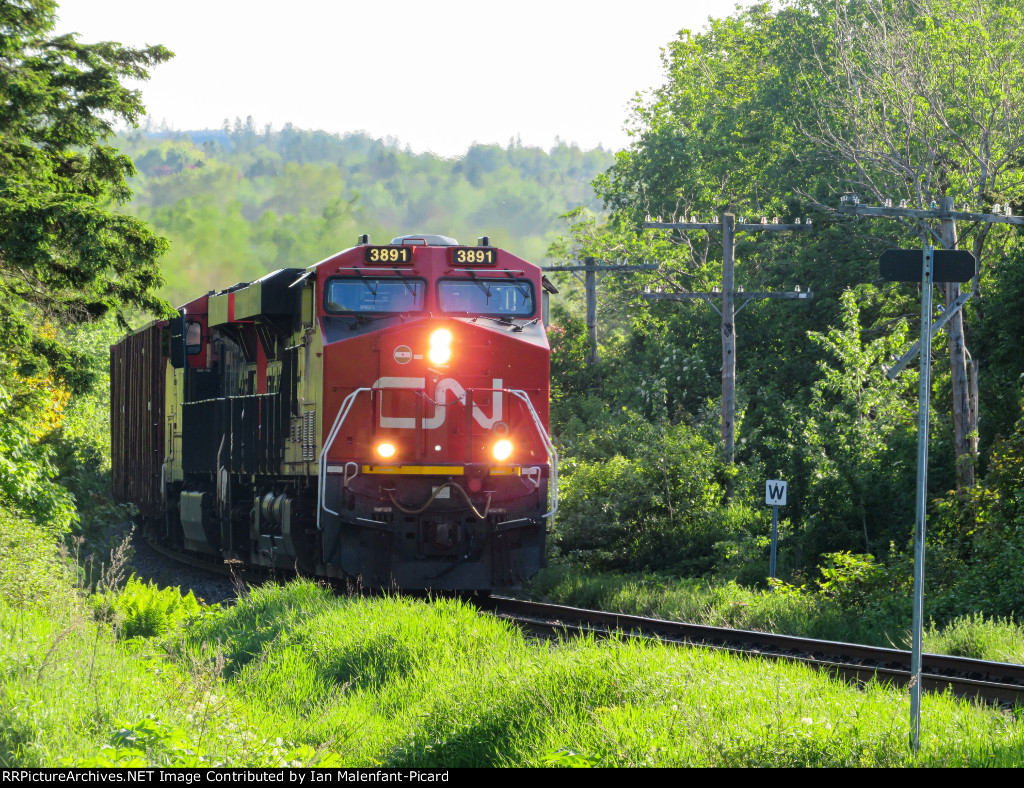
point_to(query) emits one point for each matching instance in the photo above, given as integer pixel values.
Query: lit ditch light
(502, 450)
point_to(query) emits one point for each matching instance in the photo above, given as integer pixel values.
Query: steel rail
(216, 566)
(999, 682)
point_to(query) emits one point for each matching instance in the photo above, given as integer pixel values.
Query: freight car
(379, 417)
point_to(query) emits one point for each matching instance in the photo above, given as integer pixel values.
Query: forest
(237, 202)
(780, 113)
(776, 111)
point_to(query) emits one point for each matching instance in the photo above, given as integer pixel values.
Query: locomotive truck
(380, 417)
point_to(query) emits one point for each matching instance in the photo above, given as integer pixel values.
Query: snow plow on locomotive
(379, 417)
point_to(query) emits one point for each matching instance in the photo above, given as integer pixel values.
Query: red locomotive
(380, 416)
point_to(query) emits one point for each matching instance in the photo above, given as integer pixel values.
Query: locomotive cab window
(374, 295)
(498, 297)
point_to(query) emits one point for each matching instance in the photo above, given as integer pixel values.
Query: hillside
(236, 203)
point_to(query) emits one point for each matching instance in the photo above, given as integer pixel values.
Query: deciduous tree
(924, 100)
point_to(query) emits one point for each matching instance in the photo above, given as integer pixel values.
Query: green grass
(978, 637)
(295, 676)
(804, 614)
(715, 603)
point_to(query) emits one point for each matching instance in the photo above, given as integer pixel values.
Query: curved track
(968, 678)
(998, 682)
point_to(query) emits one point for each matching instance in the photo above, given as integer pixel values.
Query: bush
(745, 556)
(143, 609)
(980, 537)
(977, 637)
(27, 472)
(31, 570)
(635, 497)
(81, 446)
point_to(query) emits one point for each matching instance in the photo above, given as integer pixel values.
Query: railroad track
(997, 682)
(234, 571)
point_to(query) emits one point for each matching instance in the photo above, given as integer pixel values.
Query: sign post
(936, 266)
(775, 496)
(921, 498)
(948, 266)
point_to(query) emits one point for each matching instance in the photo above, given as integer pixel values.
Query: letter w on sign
(775, 492)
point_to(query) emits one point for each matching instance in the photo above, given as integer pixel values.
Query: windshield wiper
(483, 286)
(523, 288)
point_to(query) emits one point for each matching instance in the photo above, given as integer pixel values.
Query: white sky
(438, 76)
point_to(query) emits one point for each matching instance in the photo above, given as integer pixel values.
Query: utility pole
(965, 433)
(730, 230)
(591, 267)
(965, 386)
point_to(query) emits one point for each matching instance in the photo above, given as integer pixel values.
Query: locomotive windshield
(504, 297)
(375, 295)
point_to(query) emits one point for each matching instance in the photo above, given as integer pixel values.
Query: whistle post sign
(775, 492)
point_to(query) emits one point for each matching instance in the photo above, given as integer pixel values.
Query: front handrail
(549, 447)
(349, 401)
(343, 412)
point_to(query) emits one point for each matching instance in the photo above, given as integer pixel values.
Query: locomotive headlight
(502, 450)
(440, 346)
(386, 450)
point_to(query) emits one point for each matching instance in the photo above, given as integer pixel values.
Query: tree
(924, 100)
(722, 134)
(855, 441)
(66, 256)
(778, 109)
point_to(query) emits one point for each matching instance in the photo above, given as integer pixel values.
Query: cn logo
(775, 492)
(440, 400)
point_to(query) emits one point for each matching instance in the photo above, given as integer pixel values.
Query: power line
(591, 267)
(965, 406)
(728, 294)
